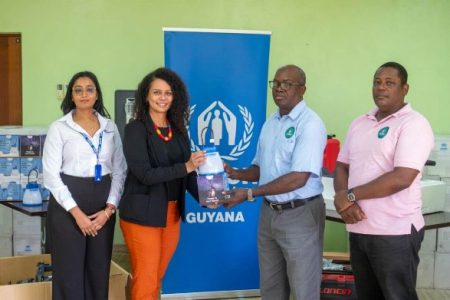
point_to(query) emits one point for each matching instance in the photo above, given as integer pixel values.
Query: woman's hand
(87, 227)
(196, 160)
(100, 218)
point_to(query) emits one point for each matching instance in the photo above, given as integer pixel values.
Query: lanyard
(96, 151)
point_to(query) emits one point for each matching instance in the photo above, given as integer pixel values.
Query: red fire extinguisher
(331, 153)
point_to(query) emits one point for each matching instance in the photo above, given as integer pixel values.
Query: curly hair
(178, 113)
(67, 104)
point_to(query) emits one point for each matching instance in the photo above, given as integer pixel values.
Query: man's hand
(341, 202)
(353, 214)
(236, 196)
(231, 172)
(213, 204)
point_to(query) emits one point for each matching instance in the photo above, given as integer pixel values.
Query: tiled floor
(120, 256)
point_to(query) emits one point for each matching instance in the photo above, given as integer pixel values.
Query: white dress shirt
(66, 151)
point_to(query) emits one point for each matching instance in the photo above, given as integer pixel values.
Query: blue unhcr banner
(226, 75)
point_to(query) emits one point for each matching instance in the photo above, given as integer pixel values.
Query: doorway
(10, 79)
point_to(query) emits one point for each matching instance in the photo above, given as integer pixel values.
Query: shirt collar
(68, 119)
(404, 110)
(298, 109)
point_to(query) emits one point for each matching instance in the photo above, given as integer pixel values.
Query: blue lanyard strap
(96, 151)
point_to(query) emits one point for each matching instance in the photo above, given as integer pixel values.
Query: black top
(175, 155)
(150, 169)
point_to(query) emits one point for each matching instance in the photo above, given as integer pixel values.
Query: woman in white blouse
(84, 169)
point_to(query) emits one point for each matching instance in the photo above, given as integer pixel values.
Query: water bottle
(213, 163)
(32, 195)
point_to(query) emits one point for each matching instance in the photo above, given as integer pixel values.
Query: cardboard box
(5, 220)
(425, 270)
(443, 240)
(343, 256)
(29, 163)
(10, 189)
(25, 225)
(5, 245)
(429, 242)
(441, 267)
(9, 145)
(13, 269)
(30, 145)
(9, 167)
(433, 196)
(28, 244)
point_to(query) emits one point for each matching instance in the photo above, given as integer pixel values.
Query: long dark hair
(178, 114)
(67, 104)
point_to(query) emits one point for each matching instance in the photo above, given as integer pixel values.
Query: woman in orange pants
(161, 168)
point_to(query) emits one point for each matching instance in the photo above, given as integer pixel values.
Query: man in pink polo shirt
(377, 184)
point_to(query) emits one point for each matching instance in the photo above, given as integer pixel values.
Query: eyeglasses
(90, 90)
(285, 85)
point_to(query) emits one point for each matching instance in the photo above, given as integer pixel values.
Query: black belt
(290, 204)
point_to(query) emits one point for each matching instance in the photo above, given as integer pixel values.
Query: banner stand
(226, 73)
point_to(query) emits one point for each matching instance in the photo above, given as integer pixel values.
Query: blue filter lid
(32, 185)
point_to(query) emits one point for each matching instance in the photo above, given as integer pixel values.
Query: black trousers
(80, 264)
(385, 266)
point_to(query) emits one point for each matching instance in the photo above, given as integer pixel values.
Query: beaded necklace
(161, 136)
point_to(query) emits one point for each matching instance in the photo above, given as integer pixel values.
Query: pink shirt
(371, 149)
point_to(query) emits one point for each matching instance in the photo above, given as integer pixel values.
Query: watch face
(351, 197)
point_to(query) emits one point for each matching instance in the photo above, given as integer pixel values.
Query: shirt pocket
(284, 150)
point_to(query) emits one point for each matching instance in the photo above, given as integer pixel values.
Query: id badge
(98, 172)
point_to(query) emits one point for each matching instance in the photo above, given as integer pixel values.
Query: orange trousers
(151, 249)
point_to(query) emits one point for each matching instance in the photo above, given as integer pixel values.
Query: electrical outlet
(60, 92)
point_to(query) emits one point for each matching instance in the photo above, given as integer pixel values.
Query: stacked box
(5, 231)
(26, 234)
(9, 145)
(10, 178)
(425, 271)
(20, 152)
(442, 265)
(447, 195)
(441, 154)
(30, 145)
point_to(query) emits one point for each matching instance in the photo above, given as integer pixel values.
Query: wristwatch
(351, 196)
(250, 197)
(110, 208)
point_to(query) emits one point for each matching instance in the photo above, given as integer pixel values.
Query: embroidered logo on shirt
(289, 132)
(382, 132)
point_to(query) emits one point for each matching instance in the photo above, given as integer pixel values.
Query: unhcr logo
(219, 123)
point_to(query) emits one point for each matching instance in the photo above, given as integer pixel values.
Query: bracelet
(342, 210)
(106, 213)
